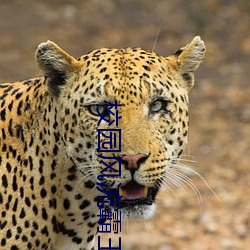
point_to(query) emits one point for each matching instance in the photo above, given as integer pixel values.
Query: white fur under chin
(140, 211)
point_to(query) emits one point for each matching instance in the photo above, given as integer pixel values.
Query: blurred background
(219, 138)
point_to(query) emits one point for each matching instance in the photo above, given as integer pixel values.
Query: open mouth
(135, 194)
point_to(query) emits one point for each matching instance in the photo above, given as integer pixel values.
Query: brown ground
(219, 109)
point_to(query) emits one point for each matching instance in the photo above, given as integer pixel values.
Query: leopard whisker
(185, 179)
(176, 182)
(156, 38)
(85, 174)
(184, 158)
(202, 178)
(166, 181)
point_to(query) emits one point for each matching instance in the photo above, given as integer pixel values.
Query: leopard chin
(137, 211)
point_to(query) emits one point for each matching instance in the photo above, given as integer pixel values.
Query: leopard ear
(187, 59)
(57, 66)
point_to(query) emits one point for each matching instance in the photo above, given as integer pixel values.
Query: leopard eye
(157, 105)
(160, 105)
(93, 110)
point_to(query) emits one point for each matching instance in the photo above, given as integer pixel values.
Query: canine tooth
(121, 193)
(145, 191)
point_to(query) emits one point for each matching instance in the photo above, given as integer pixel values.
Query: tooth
(121, 193)
(145, 191)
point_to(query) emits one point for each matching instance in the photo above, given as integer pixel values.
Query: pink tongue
(132, 191)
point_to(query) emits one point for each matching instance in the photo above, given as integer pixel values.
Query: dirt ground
(219, 139)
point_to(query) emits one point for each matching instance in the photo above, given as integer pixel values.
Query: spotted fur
(48, 138)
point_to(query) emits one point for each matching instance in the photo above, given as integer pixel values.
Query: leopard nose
(133, 161)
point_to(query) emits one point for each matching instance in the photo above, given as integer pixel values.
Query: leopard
(55, 171)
